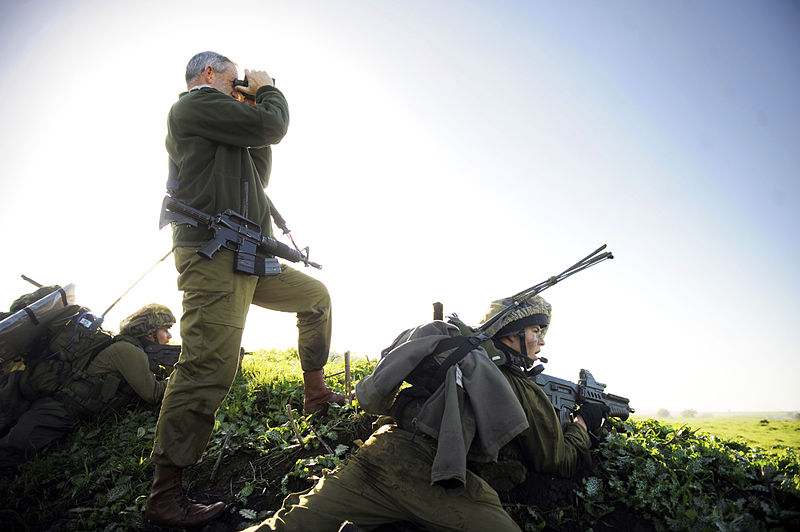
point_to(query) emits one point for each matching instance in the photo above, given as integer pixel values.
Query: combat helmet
(147, 320)
(533, 311)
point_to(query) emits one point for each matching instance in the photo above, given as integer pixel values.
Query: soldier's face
(223, 81)
(534, 340)
(163, 335)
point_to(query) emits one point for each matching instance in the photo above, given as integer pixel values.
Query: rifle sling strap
(425, 381)
(462, 344)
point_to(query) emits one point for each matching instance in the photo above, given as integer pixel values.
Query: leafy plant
(666, 477)
(680, 480)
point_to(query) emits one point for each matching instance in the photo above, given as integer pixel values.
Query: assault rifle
(167, 355)
(237, 233)
(566, 396)
(162, 355)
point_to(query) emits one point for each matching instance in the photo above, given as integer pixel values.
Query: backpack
(430, 373)
(23, 330)
(75, 338)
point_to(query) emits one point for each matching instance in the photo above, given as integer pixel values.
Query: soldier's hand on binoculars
(255, 80)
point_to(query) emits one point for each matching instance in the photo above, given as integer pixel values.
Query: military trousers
(215, 305)
(42, 422)
(389, 480)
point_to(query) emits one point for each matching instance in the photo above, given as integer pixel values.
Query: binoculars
(244, 83)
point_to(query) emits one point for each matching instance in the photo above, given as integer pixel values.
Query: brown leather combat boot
(167, 505)
(317, 394)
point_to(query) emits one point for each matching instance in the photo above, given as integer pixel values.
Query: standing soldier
(46, 400)
(220, 158)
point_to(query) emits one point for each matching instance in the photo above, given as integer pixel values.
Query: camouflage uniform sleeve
(546, 448)
(130, 362)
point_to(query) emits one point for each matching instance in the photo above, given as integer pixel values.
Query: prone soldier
(62, 387)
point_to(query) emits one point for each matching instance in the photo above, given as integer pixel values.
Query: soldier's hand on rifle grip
(593, 415)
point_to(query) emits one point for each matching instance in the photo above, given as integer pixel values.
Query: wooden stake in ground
(328, 447)
(347, 377)
(294, 425)
(219, 458)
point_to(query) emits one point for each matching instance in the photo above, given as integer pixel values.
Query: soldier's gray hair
(199, 62)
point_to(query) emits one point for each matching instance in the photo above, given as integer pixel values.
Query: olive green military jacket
(220, 148)
(131, 363)
(544, 446)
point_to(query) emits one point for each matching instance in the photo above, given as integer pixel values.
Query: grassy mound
(646, 476)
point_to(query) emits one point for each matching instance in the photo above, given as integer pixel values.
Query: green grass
(775, 435)
(97, 478)
(703, 476)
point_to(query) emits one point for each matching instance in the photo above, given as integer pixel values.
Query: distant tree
(796, 416)
(663, 412)
(691, 412)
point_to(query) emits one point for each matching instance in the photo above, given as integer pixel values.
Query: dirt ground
(549, 493)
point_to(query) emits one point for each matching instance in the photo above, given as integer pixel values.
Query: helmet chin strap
(519, 357)
(528, 364)
(523, 349)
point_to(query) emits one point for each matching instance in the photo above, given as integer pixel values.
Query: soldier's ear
(149, 338)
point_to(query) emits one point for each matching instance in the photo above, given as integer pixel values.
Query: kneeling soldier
(403, 474)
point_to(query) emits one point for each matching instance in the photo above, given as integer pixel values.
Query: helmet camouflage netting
(534, 311)
(147, 320)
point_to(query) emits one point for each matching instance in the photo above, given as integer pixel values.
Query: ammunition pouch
(251, 264)
(86, 396)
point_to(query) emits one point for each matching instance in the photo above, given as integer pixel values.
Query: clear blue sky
(454, 152)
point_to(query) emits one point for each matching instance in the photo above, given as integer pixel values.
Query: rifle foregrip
(279, 249)
(620, 411)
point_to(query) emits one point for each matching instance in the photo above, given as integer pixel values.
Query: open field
(775, 434)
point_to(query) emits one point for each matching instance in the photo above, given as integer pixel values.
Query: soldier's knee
(319, 309)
